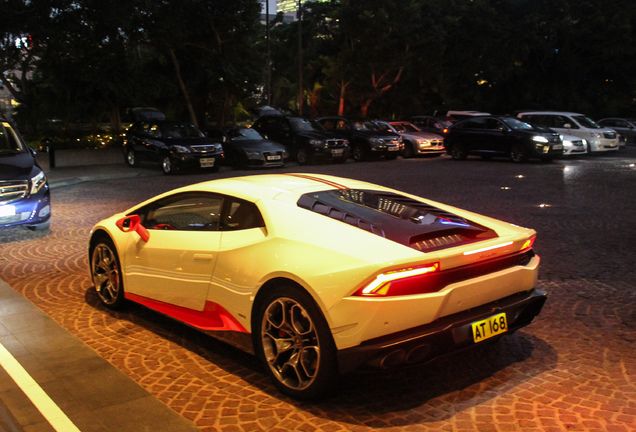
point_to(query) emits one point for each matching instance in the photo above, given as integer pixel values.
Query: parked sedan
(245, 148)
(415, 141)
(319, 275)
(366, 138)
(436, 125)
(174, 145)
(305, 139)
(490, 136)
(624, 126)
(25, 199)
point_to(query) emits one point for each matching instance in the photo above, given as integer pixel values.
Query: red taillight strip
(320, 180)
(379, 286)
(484, 249)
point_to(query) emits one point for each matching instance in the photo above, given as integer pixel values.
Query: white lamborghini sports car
(319, 275)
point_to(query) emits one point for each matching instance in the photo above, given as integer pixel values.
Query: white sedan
(319, 275)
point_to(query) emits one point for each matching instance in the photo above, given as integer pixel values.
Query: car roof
(568, 113)
(269, 186)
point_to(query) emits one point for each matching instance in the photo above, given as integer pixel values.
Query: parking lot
(574, 368)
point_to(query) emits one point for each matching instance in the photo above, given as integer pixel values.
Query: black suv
(367, 139)
(490, 136)
(175, 145)
(24, 192)
(305, 139)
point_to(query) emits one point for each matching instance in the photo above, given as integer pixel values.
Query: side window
(493, 124)
(241, 215)
(190, 211)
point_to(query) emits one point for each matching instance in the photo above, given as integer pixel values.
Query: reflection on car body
(319, 275)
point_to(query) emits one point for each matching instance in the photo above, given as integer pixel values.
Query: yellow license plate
(489, 327)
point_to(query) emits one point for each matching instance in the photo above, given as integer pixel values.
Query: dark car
(175, 145)
(305, 139)
(367, 139)
(244, 148)
(490, 136)
(436, 125)
(624, 126)
(24, 191)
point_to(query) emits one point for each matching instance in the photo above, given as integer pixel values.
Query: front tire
(106, 273)
(518, 153)
(131, 158)
(408, 151)
(458, 152)
(166, 165)
(359, 153)
(294, 343)
(303, 156)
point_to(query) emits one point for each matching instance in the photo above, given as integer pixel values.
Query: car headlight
(252, 154)
(540, 139)
(596, 134)
(37, 182)
(180, 149)
(317, 142)
(218, 147)
(422, 142)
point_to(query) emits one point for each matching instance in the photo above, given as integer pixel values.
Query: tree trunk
(182, 86)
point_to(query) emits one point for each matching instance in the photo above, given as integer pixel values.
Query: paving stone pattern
(573, 369)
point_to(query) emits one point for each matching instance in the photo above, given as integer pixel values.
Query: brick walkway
(574, 368)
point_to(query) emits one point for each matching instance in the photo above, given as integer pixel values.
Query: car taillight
(528, 244)
(405, 281)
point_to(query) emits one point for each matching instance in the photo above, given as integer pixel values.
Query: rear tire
(293, 341)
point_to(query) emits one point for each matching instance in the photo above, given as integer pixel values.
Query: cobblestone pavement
(573, 369)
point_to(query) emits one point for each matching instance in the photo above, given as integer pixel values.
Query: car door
(496, 137)
(175, 265)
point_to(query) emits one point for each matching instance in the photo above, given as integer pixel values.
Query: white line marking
(51, 412)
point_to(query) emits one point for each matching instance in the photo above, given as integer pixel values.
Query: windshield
(10, 142)
(405, 127)
(305, 125)
(517, 124)
(365, 125)
(244, 134)
(586, 122)
(181, 130)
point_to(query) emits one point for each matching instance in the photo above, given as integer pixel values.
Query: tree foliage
(205, 60)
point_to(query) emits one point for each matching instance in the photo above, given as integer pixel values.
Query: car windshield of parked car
(517, 124)
(9, 140)
(244, 134)
(586, 122)
(305, 125)
(181, 131)
(405, 127)
(367, 126)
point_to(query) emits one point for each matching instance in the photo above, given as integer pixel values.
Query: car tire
(518, 153)
(293, 341)
(359, 153)
(458, 151)
(303, 156)
(408, 151)
(131, 158)
(167, 166)
(106, 273)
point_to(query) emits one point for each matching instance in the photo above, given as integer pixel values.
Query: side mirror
(133, 223)
(567, 126)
